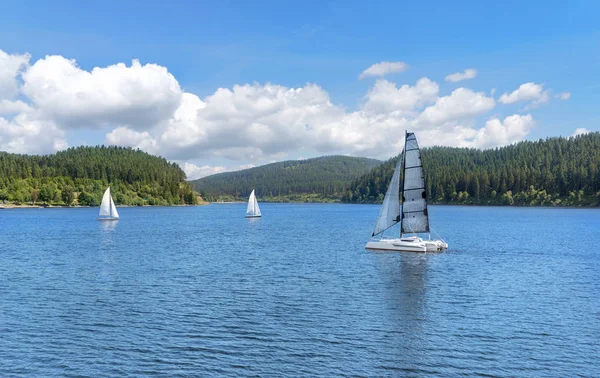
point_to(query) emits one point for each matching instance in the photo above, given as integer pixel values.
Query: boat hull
(253, 216)
(398, 245)
(108, 219)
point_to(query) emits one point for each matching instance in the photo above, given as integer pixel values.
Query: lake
(200, 291)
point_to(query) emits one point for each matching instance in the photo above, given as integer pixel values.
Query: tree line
(551, 172)
(311, 180)
(79, 176)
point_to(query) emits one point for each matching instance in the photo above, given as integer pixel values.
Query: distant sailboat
(412, 215)
(252, 211)
(108, 210)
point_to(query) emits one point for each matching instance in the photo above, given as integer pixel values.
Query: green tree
(67, 195)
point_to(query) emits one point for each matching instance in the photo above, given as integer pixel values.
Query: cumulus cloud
(385, 97)
(194, 172)
(469, 73)
(500, 133)
(138, 95)
(143, 106)
(527, 92)
(14, 107)
(460, 104)
(10, 68)
(123, 136)
(564, 95)
(24, 135)
(580, 131)
(383, 68)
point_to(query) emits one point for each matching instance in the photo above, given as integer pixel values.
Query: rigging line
(438, 235)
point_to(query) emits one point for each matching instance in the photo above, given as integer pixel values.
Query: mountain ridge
(323, 178)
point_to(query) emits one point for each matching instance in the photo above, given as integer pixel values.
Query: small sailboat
(108, 210)
(411, 213)
(252, 211)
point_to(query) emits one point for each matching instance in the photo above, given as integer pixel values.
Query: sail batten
(415, 218)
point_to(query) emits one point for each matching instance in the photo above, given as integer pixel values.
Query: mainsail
(389, 214)
(414, 202)
(107, 207)
(253, 208)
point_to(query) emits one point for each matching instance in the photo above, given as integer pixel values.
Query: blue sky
(207, 46)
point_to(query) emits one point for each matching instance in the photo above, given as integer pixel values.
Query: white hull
(108, 219)
(411, 244)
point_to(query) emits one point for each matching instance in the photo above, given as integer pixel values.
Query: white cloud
(580, 131)
(24, 135)
(138, 96)
(527, 92)
(383, 68)
(194, 172)
(564, 95)
(123, 136)
(10, 68)
(384, 97)
(469, 73)
(143, 106)
(500, 133)
(461, 103)
(542, 100)
(14, 107)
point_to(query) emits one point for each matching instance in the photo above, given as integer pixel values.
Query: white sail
(113, 209)
(105, 205)
(252, 210)
(256, 208)
(413, 215)
(389, 214)
(414, 202)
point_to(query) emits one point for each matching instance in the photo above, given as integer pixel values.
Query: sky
(219, 86)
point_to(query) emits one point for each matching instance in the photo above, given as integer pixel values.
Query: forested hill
(551, 172)
(80, 176)
(318, 179)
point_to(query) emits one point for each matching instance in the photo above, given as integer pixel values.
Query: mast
(402, 186)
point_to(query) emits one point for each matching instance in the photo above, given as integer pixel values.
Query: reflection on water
(404, 276)
(107, 231)
(108, 226)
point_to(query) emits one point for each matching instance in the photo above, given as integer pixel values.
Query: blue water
(200, 291)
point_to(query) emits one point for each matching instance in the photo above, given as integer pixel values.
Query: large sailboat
(108, 210)
(411, 213)
(252, 211)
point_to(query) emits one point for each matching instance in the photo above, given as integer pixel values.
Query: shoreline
(30, 206)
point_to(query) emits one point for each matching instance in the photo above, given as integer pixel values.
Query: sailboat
(252, 211)
(108, 210)
(412, 212)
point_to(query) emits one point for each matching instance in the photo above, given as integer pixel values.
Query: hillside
(551, 172)
(319, 179)
(80, 176)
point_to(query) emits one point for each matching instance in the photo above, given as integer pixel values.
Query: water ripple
(201, 291)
